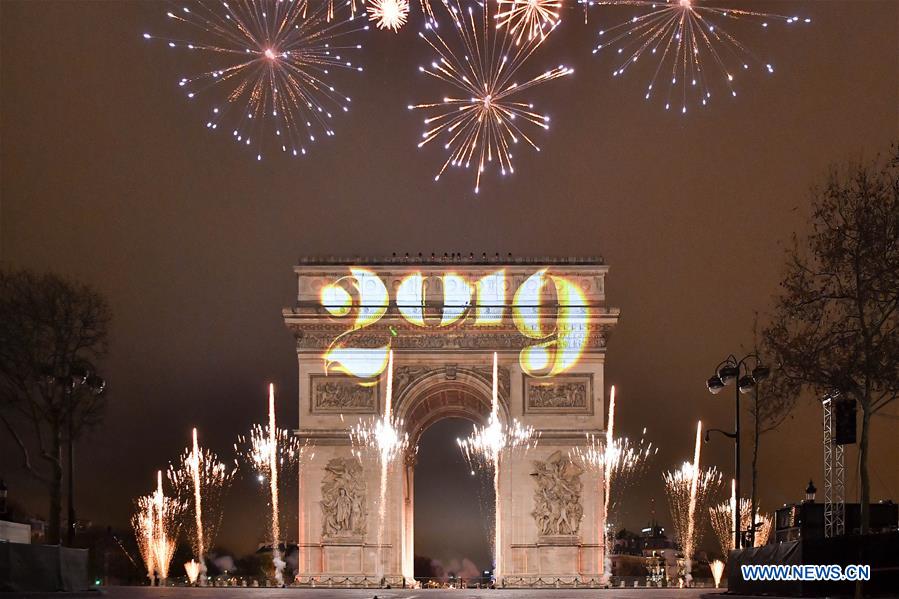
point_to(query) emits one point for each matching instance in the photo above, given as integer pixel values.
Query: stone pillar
(408, 532)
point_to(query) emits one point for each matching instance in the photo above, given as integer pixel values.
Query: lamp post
(810, 492)
(728, 371)
(79, 377)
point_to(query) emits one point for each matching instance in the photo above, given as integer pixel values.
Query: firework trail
(484, 449)
(270, 451)
(200, 481)
(620, 462)
(689, 490)
(382, 438)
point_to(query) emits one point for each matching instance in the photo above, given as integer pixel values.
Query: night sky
(110, 176)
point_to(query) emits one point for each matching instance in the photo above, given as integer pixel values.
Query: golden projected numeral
(411, 298)
(362, 362)
(561, 342)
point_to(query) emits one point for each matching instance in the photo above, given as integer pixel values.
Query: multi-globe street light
(79, 376)
(728, 371)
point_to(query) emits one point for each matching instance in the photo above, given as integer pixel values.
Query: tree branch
(26, 460)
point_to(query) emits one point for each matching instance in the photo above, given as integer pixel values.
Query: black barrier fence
(25, 567)
(879, 551)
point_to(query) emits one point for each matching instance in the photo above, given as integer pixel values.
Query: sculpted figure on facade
(404, 376)
(557, 498)
(342, 395)
(557, 395)
(343, 499)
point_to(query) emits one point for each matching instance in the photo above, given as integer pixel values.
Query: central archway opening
(453, 509)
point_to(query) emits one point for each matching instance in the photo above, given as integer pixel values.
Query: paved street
(243, 593)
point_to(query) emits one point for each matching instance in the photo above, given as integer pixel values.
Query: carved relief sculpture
(343, 499)
(332, 394)
(564, 395)
(404, 376)
(557, 498)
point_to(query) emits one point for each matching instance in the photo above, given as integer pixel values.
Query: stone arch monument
(443, 318)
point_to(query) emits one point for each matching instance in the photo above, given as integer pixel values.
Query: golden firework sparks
(156, 523)
(200, 481)
(531, 18)
(274, 454)
(385, 440)
(689, 42)
(722, 518)
(270, 85)
(685, 486)
(388, 14)
(486, 116)
(485, 447)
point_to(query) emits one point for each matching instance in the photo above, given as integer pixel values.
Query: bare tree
(51, 333)
(834, 326)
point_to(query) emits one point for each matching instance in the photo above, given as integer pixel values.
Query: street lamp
(728, 371)
(79, 376)
(810, 492)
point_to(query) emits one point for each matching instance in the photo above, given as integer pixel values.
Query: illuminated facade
(443, 319)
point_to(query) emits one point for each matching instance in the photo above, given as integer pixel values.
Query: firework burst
(717, 568)
(384, 436)
(192, 569)
(528, 19)
(388, 14)
(256, 449)
(486, 116)
(679, 486)
(485, 448)
(200, 482)
(621, 463)
(156, 523)
(690, 45)
(271, 451)
(722, 518)
(260, 450)
(482, 448)
(268, 68)
(384, 439)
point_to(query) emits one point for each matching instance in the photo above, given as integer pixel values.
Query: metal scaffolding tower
(834, 474)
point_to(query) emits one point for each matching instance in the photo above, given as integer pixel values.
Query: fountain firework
(268, 450)
(724, 522)
(620, 463)
(717, 567)
(156, 525)
(484, 448)
(200, 481)
(689, 490)
(192, 569)
(382, 438)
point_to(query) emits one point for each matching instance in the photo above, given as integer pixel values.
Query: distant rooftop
(448, 258)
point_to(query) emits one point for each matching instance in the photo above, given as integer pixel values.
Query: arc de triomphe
(443, 318)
